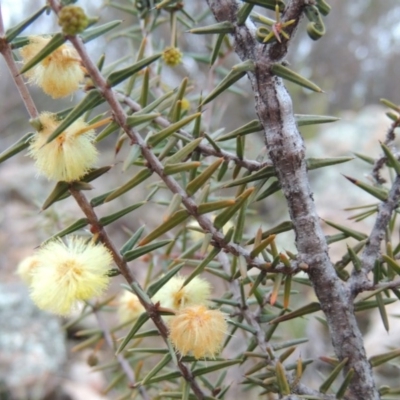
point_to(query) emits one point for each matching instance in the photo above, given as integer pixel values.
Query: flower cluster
(72, 20)
(69, 156)
(172, 56)
(198, 330)
(195, 328)
(60, 73)
(60, 275)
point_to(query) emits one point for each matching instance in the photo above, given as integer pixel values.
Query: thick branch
(286, 150)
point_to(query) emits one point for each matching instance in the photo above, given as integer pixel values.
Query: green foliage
(200, 192)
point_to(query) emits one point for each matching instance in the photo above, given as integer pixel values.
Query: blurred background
(356, 64)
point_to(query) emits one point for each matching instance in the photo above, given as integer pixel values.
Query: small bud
(92, 360)
(198, 330)
(172, 56)
(72, 20)
(185, 104)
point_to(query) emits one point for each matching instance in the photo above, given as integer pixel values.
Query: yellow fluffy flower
(198, 330)
(129, 307)
(69, 156)
(26, 268)
(60, 73)
(67, 273)
(173, 295)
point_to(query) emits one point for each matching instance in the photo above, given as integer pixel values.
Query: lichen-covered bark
(286, 150)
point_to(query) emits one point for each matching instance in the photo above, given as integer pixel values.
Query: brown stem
(30, 106)
(129, 373)
(122, 265)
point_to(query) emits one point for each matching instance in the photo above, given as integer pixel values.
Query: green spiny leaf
(304, 119)
(238, 71)
(17, 147)
(269, 4)
(211, 206)
(194, 185)
(250, 127)
(349, 232)
(217, 48)
(220, 27)
(282, 227)
(346, 382)
(55, 42)
(383, 358)
(136, 180)
(138, 324)
(132, 240)
(118, 76)
(156, 369)
(142, 250)
(314, 163)
(332, 376)
(12, 33)
(199, 269)
(174, 220)
(165, 133)
(184, 152)
(223, 217)
(307, 309)
(283, 384)
(93, 33)
(92, 99)
(113, 217)
(156, 286)
(380, 194)
(286, 73)
(391, 158)
(172, 169)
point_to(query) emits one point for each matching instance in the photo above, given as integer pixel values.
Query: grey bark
(286, 149)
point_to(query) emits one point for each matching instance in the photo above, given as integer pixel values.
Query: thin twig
(206, 150)
(359, 279)
(128, 371)
(381, 161)
(151, 309)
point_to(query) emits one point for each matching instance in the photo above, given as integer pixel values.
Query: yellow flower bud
(198, 330)
(172, 56)
(129, 307)
(173, 295)
(185, 104)
(60, 73)
(67, 273)
(26, 268)
(69, 156)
